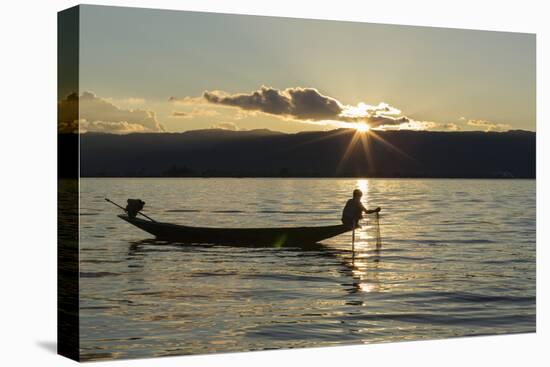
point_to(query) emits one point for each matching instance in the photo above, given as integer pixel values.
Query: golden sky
(158, 70)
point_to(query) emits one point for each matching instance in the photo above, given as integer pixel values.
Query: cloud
(226, 126)
(67, 114)
(309, 105)
(488, 125)
(298, 103)
(122, 127)
(196, 112)
(447, 127)
(301, 104)
(126, 101)
(99, 114)
(425, 125)
(186, 100)
(384, 121)
(183, 115)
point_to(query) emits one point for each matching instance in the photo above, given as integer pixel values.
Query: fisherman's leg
(348, 222)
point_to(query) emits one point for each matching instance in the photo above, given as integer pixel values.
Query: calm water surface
(457, 258)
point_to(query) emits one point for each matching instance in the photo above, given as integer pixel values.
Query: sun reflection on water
(366, 253)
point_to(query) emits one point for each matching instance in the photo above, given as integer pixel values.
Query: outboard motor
(134, 206)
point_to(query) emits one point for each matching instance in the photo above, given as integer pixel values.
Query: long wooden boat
(279, 236)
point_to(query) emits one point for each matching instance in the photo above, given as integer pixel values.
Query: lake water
(457, 258)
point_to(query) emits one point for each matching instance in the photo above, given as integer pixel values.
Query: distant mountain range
(264, 153)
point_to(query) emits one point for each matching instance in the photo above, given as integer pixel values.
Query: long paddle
(353, 237)
(353, 244)
(146, 216)
(378, 235)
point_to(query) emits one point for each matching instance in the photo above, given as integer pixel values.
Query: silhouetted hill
(215, 152)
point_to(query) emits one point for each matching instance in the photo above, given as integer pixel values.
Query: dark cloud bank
(100, 115)
(306, 104)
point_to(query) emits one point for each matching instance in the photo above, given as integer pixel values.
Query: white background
(28, 182)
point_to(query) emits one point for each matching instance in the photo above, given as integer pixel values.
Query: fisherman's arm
(370, 211)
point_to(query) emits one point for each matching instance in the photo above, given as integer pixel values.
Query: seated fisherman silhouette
(354, 209)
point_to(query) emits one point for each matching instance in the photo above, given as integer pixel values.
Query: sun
(362, 127)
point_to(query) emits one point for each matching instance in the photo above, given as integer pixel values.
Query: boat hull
(292, 236)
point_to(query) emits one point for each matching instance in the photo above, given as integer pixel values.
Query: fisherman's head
(357, 194)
